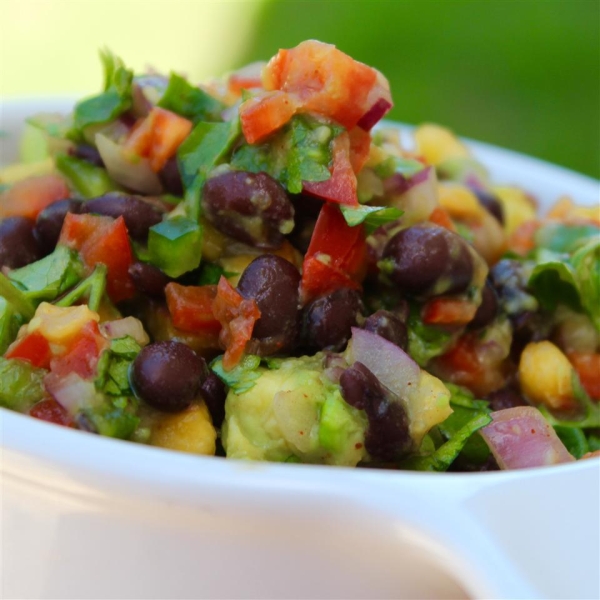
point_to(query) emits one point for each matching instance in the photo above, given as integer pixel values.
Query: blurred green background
(522, 74)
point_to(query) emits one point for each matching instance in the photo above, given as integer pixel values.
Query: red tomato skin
(27, 198)
(326, 80)
(158, 136)
(319, 279)
(588, 370)
(237, 316)
(83, 354)
(440, 217)
(191, 307)
(448, 311)
(51, 411)
(264, 114)
(34, 348)
(102, 240)
(340, 188)
(336, 256)
(346, 246)
(360, 146)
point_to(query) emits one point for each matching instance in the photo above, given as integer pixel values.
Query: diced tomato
(360, 146)
(83, 354)
(191, 307)
(472, 363)
(102, 240)
(341, 186)
(158, 136)
(448, 311)
(336, 256)
(51, 411)
(237, 315)
(440, 217)
(523, 238)
(34, 348)
(29, 197)
(326, 80)
(264, 114)
(319, 278)
(588, 369)
(462, 356)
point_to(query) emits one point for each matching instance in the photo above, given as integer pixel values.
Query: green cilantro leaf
(113, 101)
(372, 216)
(191, 102)
(242, 377)
(49, 277)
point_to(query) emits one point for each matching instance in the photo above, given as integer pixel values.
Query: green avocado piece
(293, 413)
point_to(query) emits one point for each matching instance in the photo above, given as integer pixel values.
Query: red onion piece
(72, 392)
(389, 363)
(425, 398)
(374, 114)
(520, 438)
(146, 91)
(416, 196)
(378, 103)
(113, 330)
(132, 172)
(398, 183)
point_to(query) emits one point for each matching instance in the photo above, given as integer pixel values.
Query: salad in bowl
(260, 268)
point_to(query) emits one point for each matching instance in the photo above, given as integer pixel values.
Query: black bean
(148, 279)
(139, 214)
(88, 153)
(171, 178)
(328, 320)
(214, 393)
(491, 203)
(387, 436)
(507, 397)
(251, 207)
(50, 221)
(389, 326)
(168, 375)
(273, 283)
(509, 279)
(17, 243)
(427, 260)
(488, 309)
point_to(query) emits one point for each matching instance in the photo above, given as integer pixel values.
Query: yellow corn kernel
(437, 144)
(58, 325)
(517, 207)
(460, 202)
(546, 375)
(290, 254)
(564, 209)
(188, 431)
(10, 174)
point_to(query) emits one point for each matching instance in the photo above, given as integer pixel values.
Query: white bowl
(90, 517)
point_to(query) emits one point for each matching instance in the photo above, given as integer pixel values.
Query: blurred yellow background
(51, 46)
(522, 74)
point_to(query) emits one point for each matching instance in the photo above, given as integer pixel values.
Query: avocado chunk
(293, 413)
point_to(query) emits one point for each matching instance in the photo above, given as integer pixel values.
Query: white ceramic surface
(87, 517)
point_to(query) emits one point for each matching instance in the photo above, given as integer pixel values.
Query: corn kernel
(437, 144)
(59, 325)
(188, 431)
(517, 207)
(546, 375)
(460, 202)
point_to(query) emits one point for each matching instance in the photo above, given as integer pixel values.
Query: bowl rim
(13, 426)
